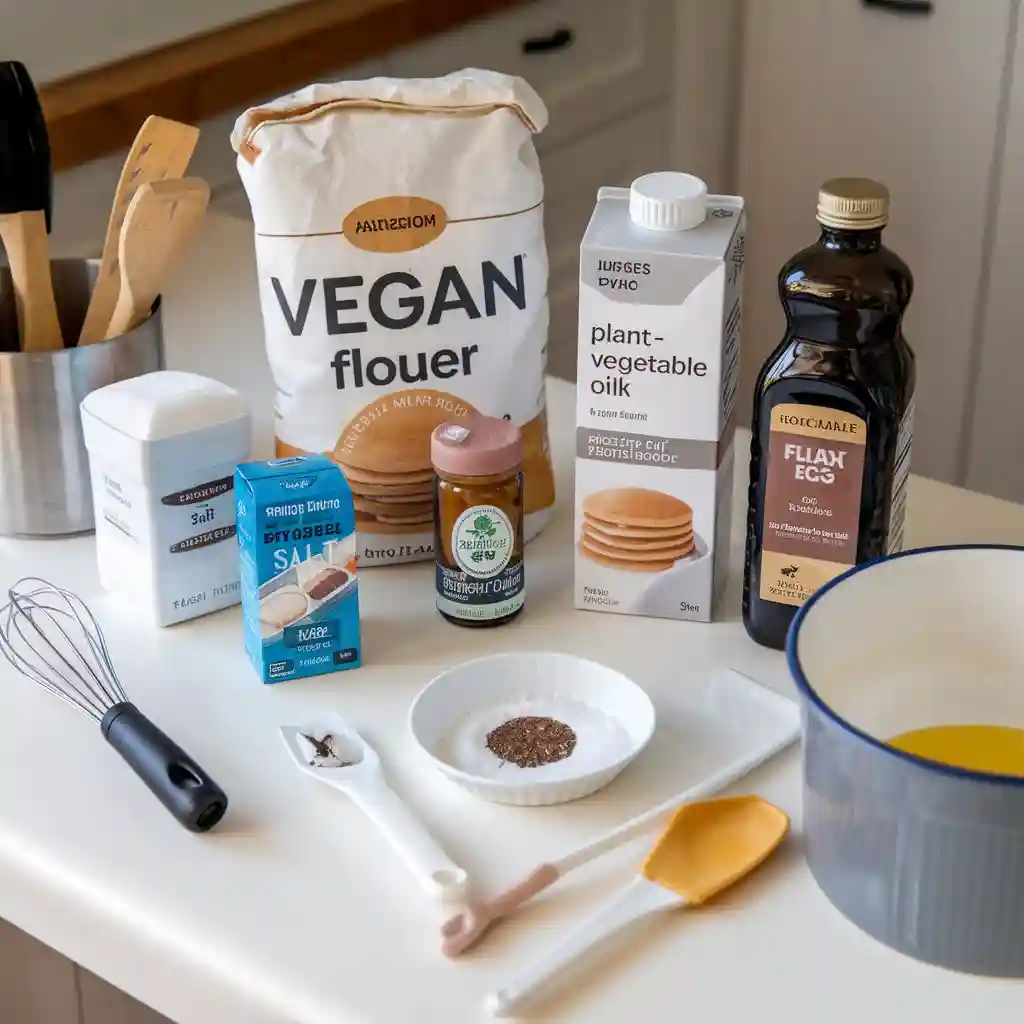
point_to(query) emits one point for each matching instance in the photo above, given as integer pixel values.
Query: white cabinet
(770, 98)
(612, 155)
(994, 438)
(833, 88)
(56, 38)
(604, 71)
(591, 60)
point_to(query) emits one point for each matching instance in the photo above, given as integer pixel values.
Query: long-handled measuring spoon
(333, 752)
(707, 847)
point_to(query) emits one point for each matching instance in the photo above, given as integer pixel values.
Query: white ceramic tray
(717, 727)
(708, 726)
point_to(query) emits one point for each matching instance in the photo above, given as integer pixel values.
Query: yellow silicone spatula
(706, 848)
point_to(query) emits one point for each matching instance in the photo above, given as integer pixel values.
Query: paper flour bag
(403, 282)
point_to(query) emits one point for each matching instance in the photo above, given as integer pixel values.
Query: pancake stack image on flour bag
(403, 282)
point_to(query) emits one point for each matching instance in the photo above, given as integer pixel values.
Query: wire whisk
(50, 636)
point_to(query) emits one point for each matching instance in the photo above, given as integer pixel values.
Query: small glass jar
(478, 521)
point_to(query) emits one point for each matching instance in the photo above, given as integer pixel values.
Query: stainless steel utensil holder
(44, 467)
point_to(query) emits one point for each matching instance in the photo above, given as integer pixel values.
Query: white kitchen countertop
(294, 911)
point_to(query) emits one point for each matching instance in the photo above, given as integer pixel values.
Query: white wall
(56, 38)
(834, 89)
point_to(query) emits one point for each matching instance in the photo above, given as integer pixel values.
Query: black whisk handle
(171, 775)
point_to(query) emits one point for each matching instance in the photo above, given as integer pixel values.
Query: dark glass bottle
(833, 414)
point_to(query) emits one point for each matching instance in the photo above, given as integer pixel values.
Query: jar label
(812, 500)
(483, 541)
(488, 583)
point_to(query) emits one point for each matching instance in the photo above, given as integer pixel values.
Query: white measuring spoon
(353, 766)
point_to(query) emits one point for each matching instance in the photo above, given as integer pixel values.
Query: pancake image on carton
(636, 530)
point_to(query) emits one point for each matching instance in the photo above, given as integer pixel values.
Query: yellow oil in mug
(979, 748)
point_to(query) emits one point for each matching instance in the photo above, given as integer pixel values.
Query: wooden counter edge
(99, 111)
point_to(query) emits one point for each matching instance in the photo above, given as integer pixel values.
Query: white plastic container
(162, 453)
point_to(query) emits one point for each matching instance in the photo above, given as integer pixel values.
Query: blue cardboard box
(300, 589)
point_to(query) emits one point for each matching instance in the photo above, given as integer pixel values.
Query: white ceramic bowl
(612, 717)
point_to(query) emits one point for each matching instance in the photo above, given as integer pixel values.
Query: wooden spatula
(162, 218)
(162, 150)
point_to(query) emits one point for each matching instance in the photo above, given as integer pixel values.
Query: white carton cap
(668, 201)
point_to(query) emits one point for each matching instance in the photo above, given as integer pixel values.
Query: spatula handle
(434, 869)
(639, 900)
(710, 786)
(28, 253)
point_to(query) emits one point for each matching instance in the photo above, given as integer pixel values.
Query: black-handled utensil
(924, 7)
(172, 776)
(560, 39)
(19, 103)
(50, 636)
(26, 189)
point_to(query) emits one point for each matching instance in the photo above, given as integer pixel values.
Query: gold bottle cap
(857, 204)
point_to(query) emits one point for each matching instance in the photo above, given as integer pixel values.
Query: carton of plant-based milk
(661, 278)
(297, 545)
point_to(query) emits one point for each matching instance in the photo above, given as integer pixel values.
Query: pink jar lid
(481, 446)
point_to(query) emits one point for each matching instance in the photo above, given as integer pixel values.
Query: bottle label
(488, 583)
(815, 472)
(900, 474)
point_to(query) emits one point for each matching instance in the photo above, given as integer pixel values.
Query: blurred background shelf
(611, 90)
(766, 98)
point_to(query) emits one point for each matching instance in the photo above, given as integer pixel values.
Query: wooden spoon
(161, 150)
(162, 219)
(28, 254)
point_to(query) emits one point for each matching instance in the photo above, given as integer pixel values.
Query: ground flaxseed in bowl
(531, 741)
